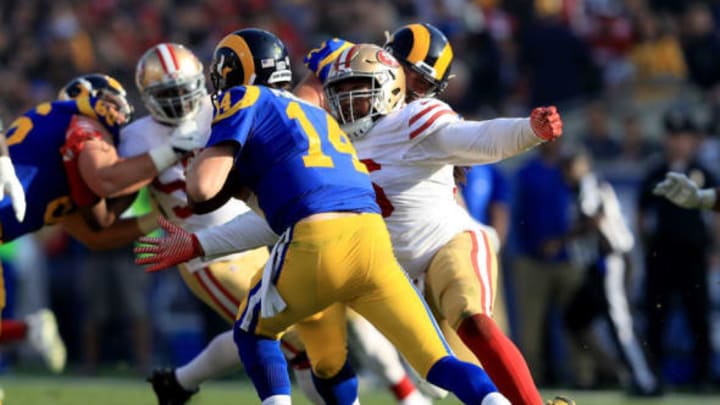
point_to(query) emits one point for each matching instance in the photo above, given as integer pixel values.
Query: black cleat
(167, 388)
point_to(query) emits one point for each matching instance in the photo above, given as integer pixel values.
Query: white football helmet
(171, 80)
(364, 77)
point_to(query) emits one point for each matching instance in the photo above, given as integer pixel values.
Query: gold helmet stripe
(421, 43)
(115, 85)
(242, 50)
(443, 61)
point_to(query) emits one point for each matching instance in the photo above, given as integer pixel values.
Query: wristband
(147, 223)
(163, 157)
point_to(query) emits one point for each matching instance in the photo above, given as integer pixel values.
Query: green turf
(116, 391)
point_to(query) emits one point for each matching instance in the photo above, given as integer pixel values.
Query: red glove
(546, 123)
(178, 246)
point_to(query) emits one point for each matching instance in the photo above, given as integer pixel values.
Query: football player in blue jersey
(65, 158)
(334, 250)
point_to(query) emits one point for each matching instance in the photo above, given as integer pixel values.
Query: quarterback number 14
(315, 156)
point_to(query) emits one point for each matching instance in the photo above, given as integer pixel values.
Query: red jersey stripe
(429, 122)
(422, 113)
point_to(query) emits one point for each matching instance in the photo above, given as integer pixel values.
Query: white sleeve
(478, 142)
(244, 232)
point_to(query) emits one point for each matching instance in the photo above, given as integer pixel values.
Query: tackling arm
(207, 177)
(121, 233)
(477, 142)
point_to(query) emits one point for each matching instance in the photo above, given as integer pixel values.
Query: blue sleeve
(318, 60)
(233, 115)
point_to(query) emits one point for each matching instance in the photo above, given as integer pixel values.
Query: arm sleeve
(244, 232)
(477, 142)
(78, 134)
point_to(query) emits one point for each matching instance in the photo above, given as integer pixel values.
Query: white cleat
(44, 337)
(415, 398)
(495, 398)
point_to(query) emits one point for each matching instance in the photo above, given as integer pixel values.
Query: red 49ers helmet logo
(387, 59)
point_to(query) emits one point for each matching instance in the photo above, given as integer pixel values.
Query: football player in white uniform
(410, 151)
(188, 115)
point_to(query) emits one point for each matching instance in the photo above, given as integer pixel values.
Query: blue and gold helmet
(250, 56)
(426, 50)
(100, 86)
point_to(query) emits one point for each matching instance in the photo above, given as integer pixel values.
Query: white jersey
(410, 156)
(168, 189)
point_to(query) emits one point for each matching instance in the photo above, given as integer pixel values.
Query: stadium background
(604, 63)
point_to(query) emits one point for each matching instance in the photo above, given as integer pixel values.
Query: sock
(403, 388)
(342, 389)
(264, 363)
(13, 331)
(218, 358)
(277, 400)
(467, 381)
(304, 380)
(500, 358)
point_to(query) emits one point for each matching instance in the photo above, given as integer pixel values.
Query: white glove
(188, 136)
(184, 140)
(682, 191)
(10, 184)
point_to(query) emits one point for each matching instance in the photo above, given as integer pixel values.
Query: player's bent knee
(329, 364)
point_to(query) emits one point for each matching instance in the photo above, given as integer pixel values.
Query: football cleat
(44, 337)
(167, 388)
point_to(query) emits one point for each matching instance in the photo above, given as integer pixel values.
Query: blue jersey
(293, 155)
(34, 141)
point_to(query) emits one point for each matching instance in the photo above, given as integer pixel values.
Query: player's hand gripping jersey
(270, 156)
(35, 140)
(410, 155)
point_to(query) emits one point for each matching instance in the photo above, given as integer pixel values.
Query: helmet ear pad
(226, 70)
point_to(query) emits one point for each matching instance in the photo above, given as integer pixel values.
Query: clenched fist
(546, 123)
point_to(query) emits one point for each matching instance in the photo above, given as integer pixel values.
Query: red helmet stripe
(167, 58)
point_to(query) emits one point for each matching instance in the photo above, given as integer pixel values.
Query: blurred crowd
(615, 68)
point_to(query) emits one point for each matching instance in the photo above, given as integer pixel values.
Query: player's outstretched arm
(245, 232)
(682, 191)
(9, 183)
(121, 233)
(478, 142)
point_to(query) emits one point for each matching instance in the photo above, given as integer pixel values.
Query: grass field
(117, 391)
